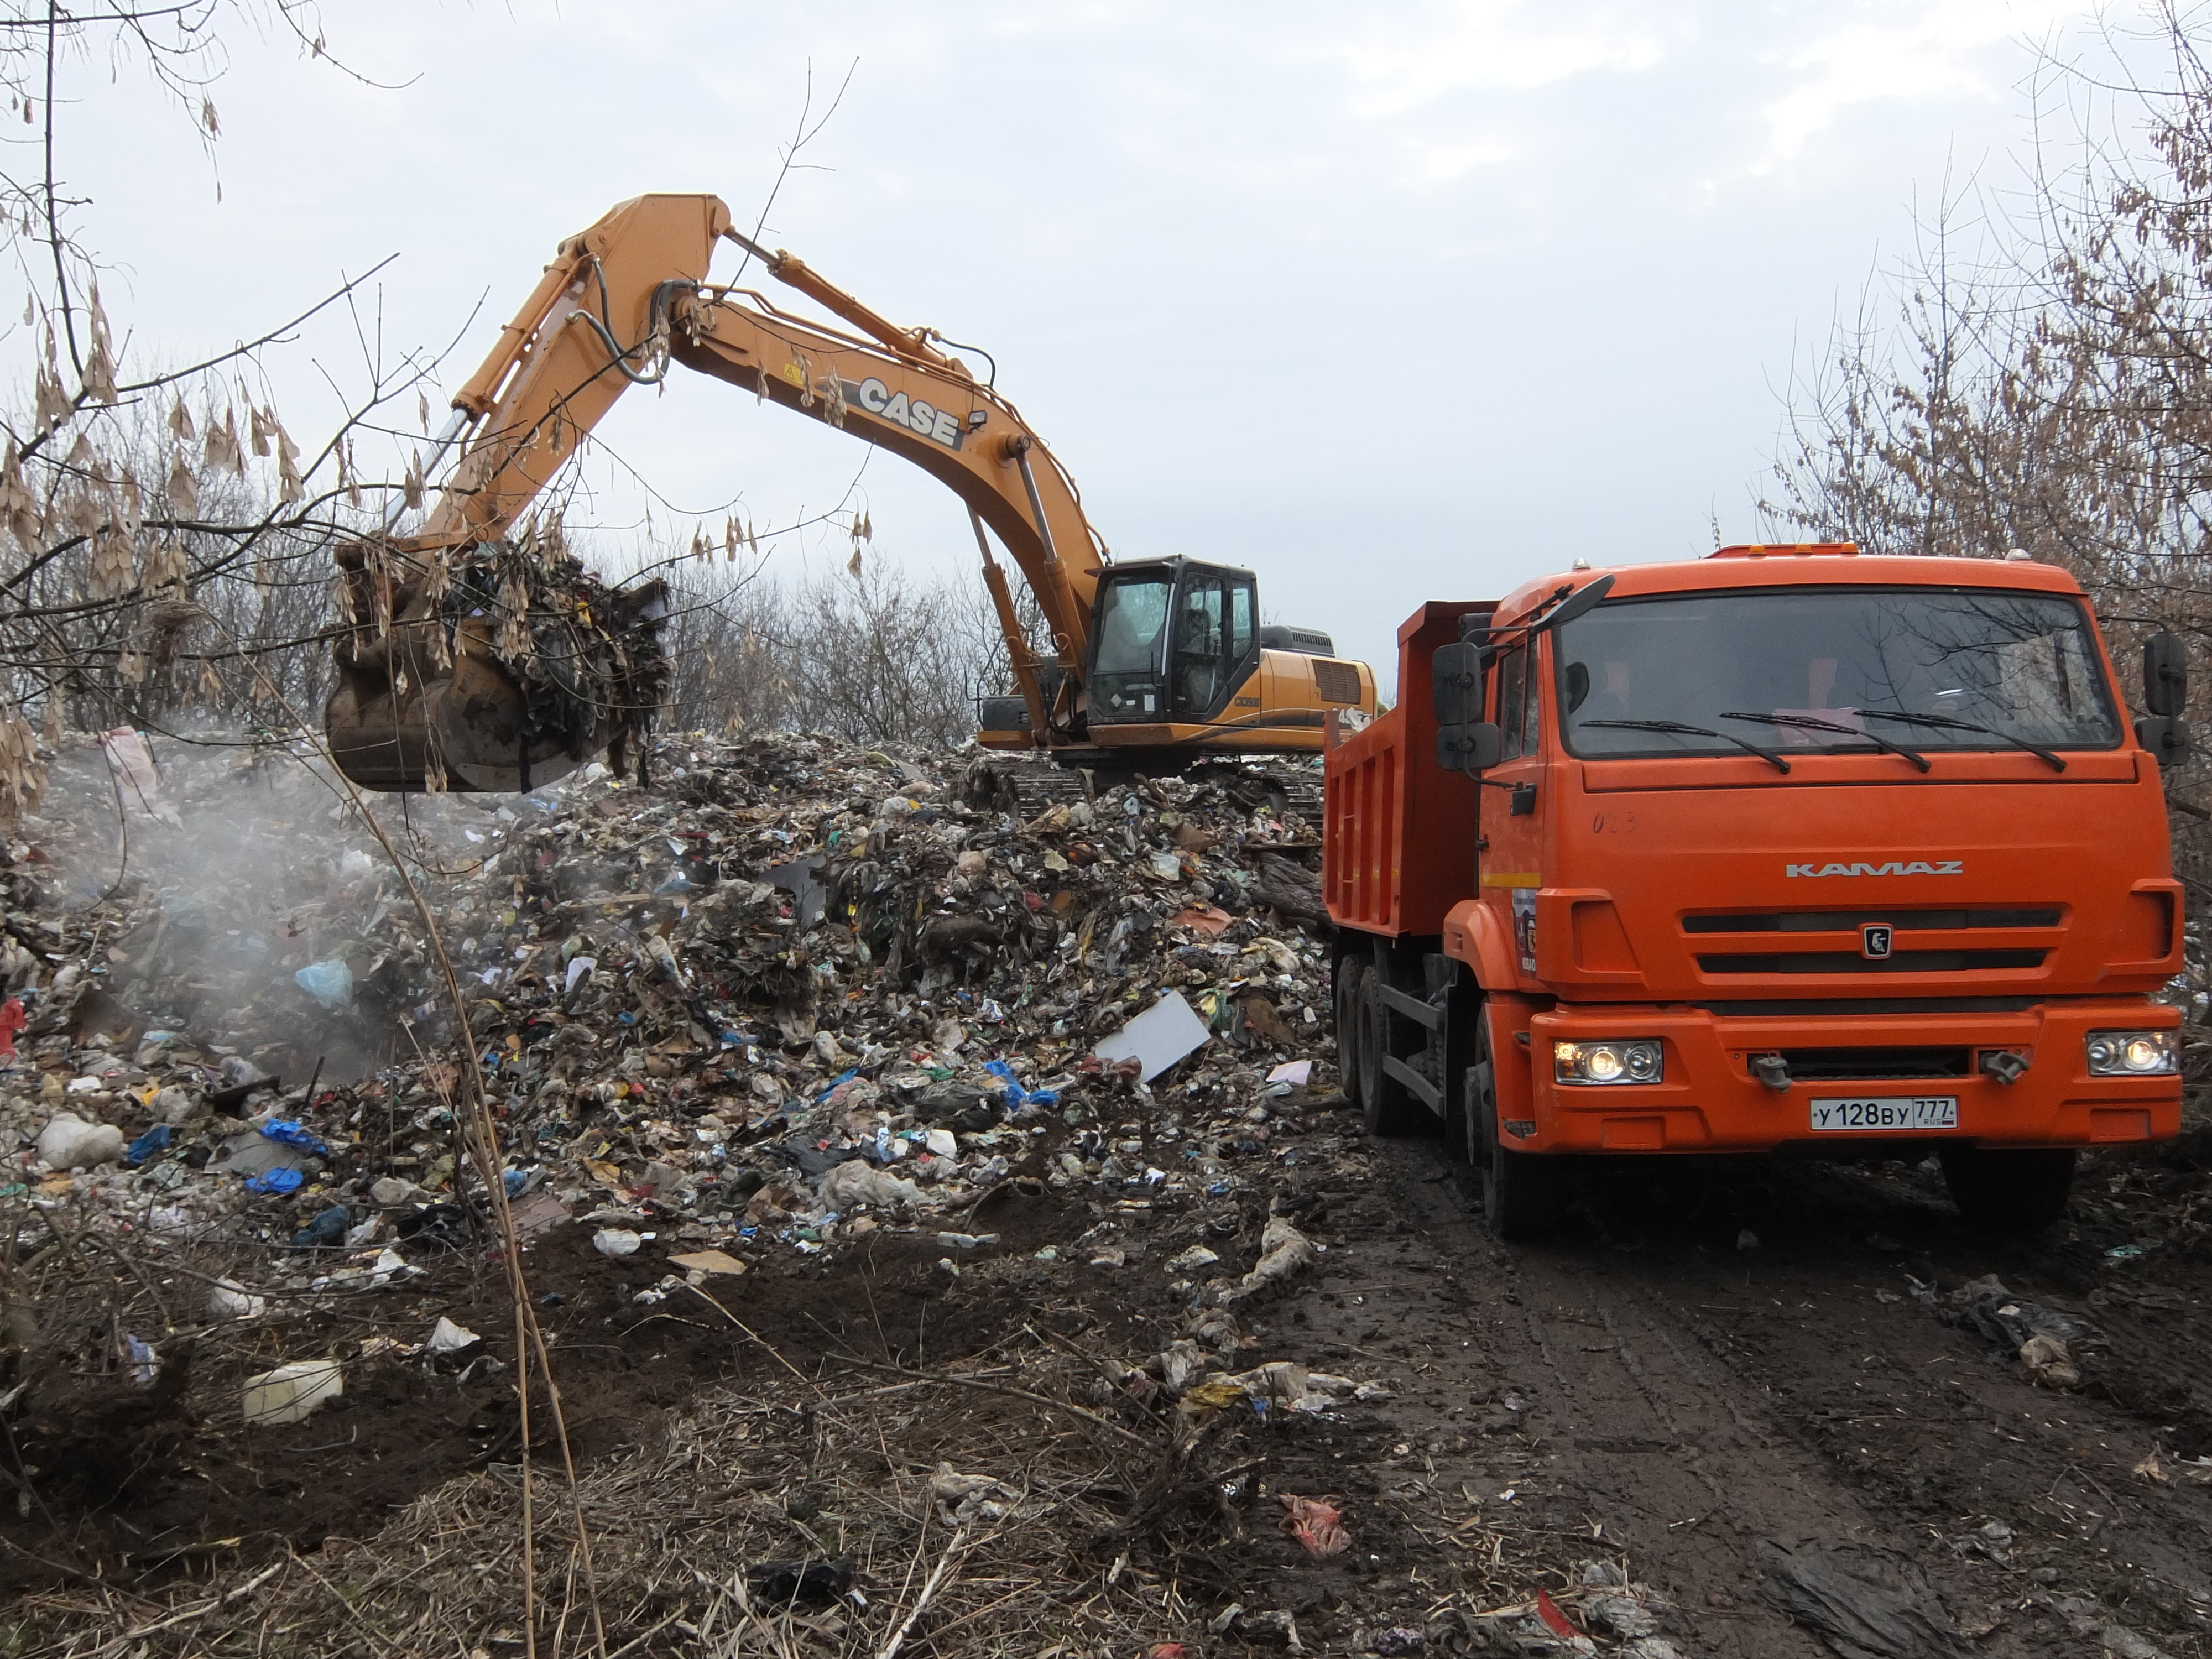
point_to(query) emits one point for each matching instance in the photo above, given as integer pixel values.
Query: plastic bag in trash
(331, 983)
(446, 1337)
(290, 1392)
(779, 1583)
(1016, 1096)
(68, 1142)
(294, 1134)
(326, 1231)
(853, 1182)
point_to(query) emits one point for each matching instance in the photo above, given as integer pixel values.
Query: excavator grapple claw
(492, 668)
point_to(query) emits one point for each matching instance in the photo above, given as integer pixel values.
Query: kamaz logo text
(1894, 867)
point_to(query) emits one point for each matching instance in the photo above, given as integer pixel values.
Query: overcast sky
(1388, 301)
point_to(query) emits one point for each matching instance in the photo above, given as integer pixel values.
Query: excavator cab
(1179, 666)
(1171, 639)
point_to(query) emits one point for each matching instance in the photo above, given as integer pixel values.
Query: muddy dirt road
(1716, 1356)
(1719, 1381)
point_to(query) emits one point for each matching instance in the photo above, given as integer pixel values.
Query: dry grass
(1109, 1537)
(843, 1476)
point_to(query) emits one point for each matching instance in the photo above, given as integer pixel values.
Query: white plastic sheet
(1156, 1038)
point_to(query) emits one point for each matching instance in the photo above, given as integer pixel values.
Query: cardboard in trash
(707, 1261)
(1156, 1038)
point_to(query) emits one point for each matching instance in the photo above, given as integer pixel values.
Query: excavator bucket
(493, 668)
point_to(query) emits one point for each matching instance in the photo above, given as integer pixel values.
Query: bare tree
(163, 540)
(2053, 392)
(868, 653)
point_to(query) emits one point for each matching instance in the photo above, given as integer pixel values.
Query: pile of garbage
(796, 991)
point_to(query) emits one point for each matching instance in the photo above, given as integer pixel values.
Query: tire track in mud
(1685, 1400)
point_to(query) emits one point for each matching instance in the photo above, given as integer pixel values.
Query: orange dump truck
(1786, 848)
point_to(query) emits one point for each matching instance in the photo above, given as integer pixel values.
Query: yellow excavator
(479, 657)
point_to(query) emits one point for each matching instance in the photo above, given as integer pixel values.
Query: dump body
(1811, 925)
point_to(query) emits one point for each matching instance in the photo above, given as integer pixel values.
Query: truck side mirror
(1455, 684)
(1582, 599)
(1471, 746)
(2165, 736)
(2166, 674)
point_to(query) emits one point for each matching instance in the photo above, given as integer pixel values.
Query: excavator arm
(426, 693)
(630, 294)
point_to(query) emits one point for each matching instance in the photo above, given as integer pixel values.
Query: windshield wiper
(1944, 723)
(1768, 755)
(1810, 723)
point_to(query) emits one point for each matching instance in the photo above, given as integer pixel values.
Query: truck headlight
(1614, 1059)
(2134, 1053)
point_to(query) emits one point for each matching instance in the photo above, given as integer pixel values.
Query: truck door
(1512, 814)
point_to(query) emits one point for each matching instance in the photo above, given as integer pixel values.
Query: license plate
(1914, 1112)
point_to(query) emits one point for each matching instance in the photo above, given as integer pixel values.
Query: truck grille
(1788, 943)
(1851, 961)
(1824, 1064)
(1844, 921)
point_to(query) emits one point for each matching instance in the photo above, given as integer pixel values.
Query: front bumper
(1710, 1102)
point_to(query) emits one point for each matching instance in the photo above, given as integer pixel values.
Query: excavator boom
(618, 304)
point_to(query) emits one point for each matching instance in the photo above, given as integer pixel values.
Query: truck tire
(2010, 1190)
(1388, 1106)
(1351, 979)
(1522, 1194)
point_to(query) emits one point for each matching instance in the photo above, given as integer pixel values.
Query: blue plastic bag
(1014, 1094)
(276, 1181)
(331, 983)
(294, 1134)
(151, 1144)
(326, 1231)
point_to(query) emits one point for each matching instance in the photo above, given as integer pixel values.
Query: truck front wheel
(1523, 1193)
(2010, 1190)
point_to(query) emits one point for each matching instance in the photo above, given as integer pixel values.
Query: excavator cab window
(1241, 626)
(1201, 640)
(1215, 632)
(1128, 673)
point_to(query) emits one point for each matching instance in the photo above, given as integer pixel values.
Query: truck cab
(1787, 848)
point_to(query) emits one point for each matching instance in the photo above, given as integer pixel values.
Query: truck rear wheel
(1386, 1103)
(1351, 981)
(2010, 1190)
(1523, 1193)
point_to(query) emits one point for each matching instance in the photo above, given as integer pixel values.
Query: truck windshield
(1814, 669)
